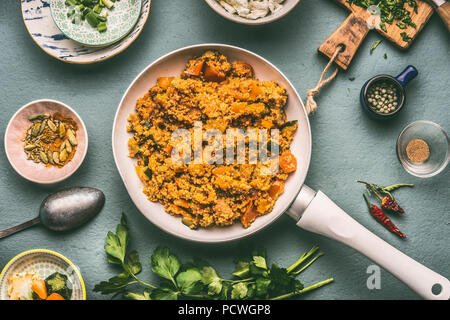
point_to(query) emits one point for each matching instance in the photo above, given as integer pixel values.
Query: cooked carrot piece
(195, 70)
(239, 107)
(255, 91)
(164, 82)
(249, 216)
(181, 203)
(55, 296)
(222, 170)
(38, 286)
(211, 74)
(276, 189)
(288, 162)
(266, 123)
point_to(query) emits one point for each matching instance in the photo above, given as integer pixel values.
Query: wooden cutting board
(354, 29)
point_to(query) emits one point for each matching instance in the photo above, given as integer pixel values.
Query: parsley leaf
(132, 264)
(239, 291)
(375, 45)
(165, 264)
(212, 280)
(164, 294)
(113, 285)
(189, 282)
(116, 244)
(197, 279)
(260, 262)
(145, 295)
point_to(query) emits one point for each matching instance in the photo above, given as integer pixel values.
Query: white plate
(288, 6)
(39, 23)
(171, 65)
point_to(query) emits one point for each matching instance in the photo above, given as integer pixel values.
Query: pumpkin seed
(73, 141)
(35, 130)
(56, 157)
(68, 147)
(42, 126)
(63, 146)
(39, 143)
(50, 156)
(62, 130)
(63, 156)
(29, 147)
(51, 125)
(43, 157)
(38, 117)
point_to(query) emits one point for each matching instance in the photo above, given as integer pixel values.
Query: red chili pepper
(382, 218)
(390, 204)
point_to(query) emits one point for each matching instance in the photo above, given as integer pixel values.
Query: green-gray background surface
(347, 145)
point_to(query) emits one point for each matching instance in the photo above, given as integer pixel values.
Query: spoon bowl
(65, 210)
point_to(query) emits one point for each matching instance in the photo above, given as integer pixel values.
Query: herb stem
(309, 263)
(138, 280)
(312, 287)
(304, 257)
(239, 280)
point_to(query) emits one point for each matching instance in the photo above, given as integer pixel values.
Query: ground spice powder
(417, 150)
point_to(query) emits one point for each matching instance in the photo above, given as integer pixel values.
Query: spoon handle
(20, 227)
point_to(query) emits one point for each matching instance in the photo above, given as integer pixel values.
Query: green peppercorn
(382, 97)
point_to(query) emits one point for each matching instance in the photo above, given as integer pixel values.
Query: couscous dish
(219, 95)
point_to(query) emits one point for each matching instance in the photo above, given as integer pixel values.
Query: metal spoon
(65, 210)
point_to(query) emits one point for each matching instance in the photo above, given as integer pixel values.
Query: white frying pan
(312, 211)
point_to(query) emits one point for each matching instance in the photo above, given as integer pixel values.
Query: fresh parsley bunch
(253, 278)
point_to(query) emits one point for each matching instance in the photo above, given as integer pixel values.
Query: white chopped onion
(251, 9)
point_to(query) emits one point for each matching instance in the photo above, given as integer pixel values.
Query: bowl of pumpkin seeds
(46, 141)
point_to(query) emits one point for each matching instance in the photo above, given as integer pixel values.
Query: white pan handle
(324, 217)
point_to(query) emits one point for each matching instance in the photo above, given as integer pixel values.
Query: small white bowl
(15, 133)
(438, 142)
(288, 6)
(44, 263)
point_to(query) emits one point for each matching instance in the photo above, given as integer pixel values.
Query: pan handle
(324, 217)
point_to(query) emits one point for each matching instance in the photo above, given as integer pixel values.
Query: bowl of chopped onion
(253, 12)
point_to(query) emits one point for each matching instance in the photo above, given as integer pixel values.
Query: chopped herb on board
(375, 45)
(405, 37)
(253, 277)
(398, 11)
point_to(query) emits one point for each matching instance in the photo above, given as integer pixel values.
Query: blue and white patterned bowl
(121, 19)
(39, 23)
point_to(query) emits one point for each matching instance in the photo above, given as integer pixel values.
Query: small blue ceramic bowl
(399, 83)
